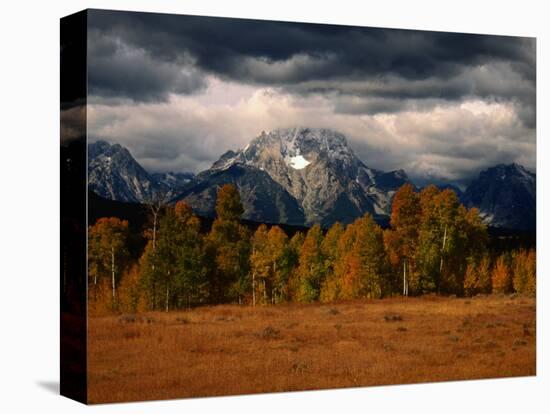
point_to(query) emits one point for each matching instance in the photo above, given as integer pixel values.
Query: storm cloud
(180, 90)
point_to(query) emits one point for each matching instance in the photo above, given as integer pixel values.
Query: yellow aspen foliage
(501, 276)
(470, 279)
(524, 269)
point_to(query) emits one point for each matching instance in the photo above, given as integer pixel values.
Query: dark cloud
(442, 106)
(306, 58)
(218, 43)
(119, 70)
(451, 142)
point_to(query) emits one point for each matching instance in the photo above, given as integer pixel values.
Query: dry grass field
(225, 350)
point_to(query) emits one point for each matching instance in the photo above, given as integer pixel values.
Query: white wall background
(29, 206)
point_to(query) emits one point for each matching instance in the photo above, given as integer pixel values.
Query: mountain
(264, 200)
(115, 175)
(302, 176)
(172, 179)
(308, 176)
(171, 183)
(505, 196)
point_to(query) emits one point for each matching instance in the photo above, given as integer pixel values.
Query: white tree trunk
(405, 284)
(441, 261)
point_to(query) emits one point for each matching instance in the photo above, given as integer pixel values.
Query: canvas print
(261, 206)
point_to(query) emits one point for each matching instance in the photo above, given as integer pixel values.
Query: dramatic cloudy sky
(179, 91)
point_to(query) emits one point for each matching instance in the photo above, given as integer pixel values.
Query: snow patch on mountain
(297, 162)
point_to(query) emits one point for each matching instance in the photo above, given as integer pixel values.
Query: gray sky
(179, 91)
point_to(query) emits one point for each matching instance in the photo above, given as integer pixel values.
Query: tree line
(433, 245)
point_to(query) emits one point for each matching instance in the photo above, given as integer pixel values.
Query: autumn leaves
(434, 245)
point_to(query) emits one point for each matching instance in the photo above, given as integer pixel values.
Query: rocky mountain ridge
(302, 176)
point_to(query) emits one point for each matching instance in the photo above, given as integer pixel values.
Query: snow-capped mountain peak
(319, 170)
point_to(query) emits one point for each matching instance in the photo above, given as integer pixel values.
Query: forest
(434, 245)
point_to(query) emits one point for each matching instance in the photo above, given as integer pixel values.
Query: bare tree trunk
(441, 261)
(167, 295)
(265, 293)
(113, 271)
(157, 200)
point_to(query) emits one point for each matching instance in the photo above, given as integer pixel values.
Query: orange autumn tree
(450, 236)
(524, 269)
(281, 262)
(431, 240)
(531, 269)
(228, 248)
(501, 276)
(470, 279)
(330, 288)
(259, 264)
(294, 249)
(334, 288)
(484, 283)
(107, 253)
(477, 278)
(401, 240)
(363, 267)
(130, 292)
(271, 263)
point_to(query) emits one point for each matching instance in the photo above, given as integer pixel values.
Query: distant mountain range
(302, 176)
(505, 196)
(115, 175)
